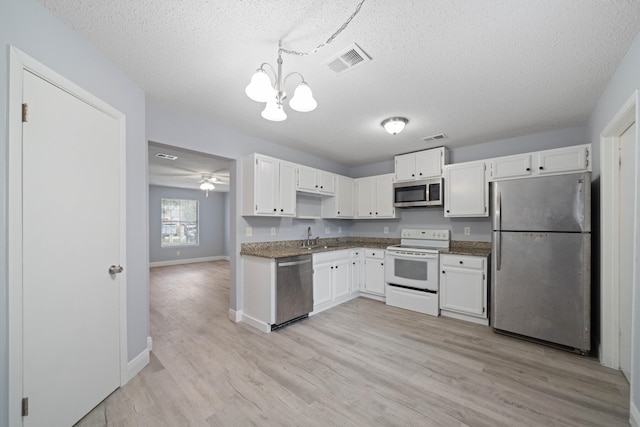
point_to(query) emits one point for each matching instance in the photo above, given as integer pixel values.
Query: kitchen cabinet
(463, 287)
(269, 187)
(342, 204)
(374, 271)
(421, 164)
(562, 160)
(547, 162)
(331, 279)
(258, 303)
(466, 190)
(374, 197)
(357, 261)
(315, 181)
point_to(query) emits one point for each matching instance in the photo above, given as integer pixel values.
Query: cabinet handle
(316, 186)
(332, 267)
(370, 213)
(528, 169)
(382, 263)
(448, 211)
(460, 262)
(413, 174)
(322, 186)
(541, 167)
(338, 212)
(443, 272)
(281, 210)
(376, 213)
(275, 210)
(420, 173)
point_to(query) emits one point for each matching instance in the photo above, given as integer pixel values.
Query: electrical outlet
(249, 232)
(273, 231)
(339, 230)
(386, 230)
(177, 253)
(327, 230)
(467, 231)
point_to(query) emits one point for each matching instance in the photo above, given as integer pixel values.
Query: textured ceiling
(475, 70)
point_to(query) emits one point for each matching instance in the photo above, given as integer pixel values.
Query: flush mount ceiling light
(394, 125)
(261, 88)
(207, 183)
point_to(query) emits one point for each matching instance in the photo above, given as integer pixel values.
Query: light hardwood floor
(359, 364)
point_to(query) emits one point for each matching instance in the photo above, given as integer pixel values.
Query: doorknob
(115, 269)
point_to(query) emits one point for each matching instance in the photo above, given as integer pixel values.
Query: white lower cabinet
(463, 287)
(331, 279)
(374, 271)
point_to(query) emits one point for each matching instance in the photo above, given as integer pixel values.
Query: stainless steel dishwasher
(294, 289)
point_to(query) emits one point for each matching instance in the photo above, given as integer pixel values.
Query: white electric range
(412, 270)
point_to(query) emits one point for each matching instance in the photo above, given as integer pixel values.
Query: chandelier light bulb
(303, 100)
(274, 112)
(260, 88)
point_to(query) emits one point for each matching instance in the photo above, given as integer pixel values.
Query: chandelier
(261, 88)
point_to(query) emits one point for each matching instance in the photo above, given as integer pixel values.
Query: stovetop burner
(422, 240)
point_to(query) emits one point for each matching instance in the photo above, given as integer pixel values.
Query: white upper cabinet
(342, 205)
(269, 187)
(421, 164)
(563, 160)
(316, 181)
(466, 191)
(548, 162)
(374, 197)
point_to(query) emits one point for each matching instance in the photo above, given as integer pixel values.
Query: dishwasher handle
(292, 263)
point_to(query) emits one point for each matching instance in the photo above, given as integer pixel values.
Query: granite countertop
(461, 247)
(287, 248)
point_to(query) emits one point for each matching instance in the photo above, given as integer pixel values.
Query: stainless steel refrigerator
(541, 259)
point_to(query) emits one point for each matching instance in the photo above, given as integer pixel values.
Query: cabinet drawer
(462, 261)
(374, 253)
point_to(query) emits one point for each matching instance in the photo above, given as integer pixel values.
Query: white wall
(625, 80)
(31, 28)
(212, 216)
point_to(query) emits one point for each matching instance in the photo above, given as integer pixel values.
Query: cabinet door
(374, 276)
(462, 290)
(344, 197)
(287, 189)
(306, 179)
(466, 190)
(365, 208)
(511, 167)
(429, 163)
(326, 181)
(384, 196)
(341, 278)
(355, 273)
(571, 159)
(321, 284)
(405, 167)
(266, 186)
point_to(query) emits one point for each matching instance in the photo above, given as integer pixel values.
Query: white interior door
(626, 234)
(71, 235)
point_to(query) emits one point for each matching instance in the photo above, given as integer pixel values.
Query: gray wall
(212, 219)
(31, 28)
(621, 86)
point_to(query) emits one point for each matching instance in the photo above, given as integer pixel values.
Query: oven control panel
(427, 234)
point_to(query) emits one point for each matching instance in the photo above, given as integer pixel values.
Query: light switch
(327, 230)
(249, 232)
(273, 231)
(386, 230)
(467, 231)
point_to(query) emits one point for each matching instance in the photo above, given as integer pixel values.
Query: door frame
(609, 353)
(19, 62)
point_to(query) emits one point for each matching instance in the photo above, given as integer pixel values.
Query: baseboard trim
(188, 261)
(261, 326)
(634, 415)
(137, 364)
(235, 316)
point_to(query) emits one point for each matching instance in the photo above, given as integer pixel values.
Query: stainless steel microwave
(425, 192)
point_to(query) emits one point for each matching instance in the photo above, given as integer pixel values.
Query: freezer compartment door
(549, 203)
(541, 286)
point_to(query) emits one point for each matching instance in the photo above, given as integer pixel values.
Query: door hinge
(25, 112)
(25, 406)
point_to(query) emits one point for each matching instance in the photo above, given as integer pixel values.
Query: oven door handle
(410, 255)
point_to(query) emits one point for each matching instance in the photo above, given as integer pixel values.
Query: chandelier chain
(330, 39)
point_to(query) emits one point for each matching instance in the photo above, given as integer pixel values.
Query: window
(179, 222)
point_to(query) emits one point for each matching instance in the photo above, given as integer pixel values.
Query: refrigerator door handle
(498, 238)
(498, 212)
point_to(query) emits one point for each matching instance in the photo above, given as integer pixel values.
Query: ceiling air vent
(166, 156)
(436, 137)
(347, 59)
